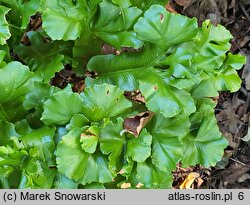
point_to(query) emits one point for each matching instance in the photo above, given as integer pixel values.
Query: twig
(244, 11)
(235, 160)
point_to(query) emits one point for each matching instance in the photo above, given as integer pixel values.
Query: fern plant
(141, 112)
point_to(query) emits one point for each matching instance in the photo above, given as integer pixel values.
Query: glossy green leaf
(21, 11)
(151, 177)
(112, 142)
(205, 88)
(89, 139)
(13, 111)
(14, 81)
(122, 3)
(28, 9)
(203, 142)
(96, 170)
(227, 78)
(61, 107)
(77, 121)
(165, 29)
(127, 70)
(185, 83)
(208, 63)
(63, 182)
(124, 39)
(179, 63)
(11, 157)
(22, 127)
(36, 175)
(5, 172)
(43, 142)
(38, 95)
(165, 99)
(166, 146)
(114, 24)
(4, 26)
(2, 54)
(212, 40)
(139, 149)
(76, 164)
(127, 57)
(7, 130)
(145, 4)
(124, 70)
(127, 168)
(103, 101)
(45, 66)
(64, 16)
(60, 132)
(236, 61)
(87, 45)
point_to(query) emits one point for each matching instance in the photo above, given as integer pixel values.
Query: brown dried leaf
(125, 185)
(121, 171)
(107, 49)
(244, 177)
(199, 182)
(88, 133)
(139, 185)
(170, 7)
(234, 172)
(229, 118)
(34, 25)
(135, 96)
(135, 124)
(188, 182)
(246, 138)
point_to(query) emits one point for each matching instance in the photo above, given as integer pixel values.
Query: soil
(232, 111)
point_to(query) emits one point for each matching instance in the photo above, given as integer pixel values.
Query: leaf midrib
(136, 69)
